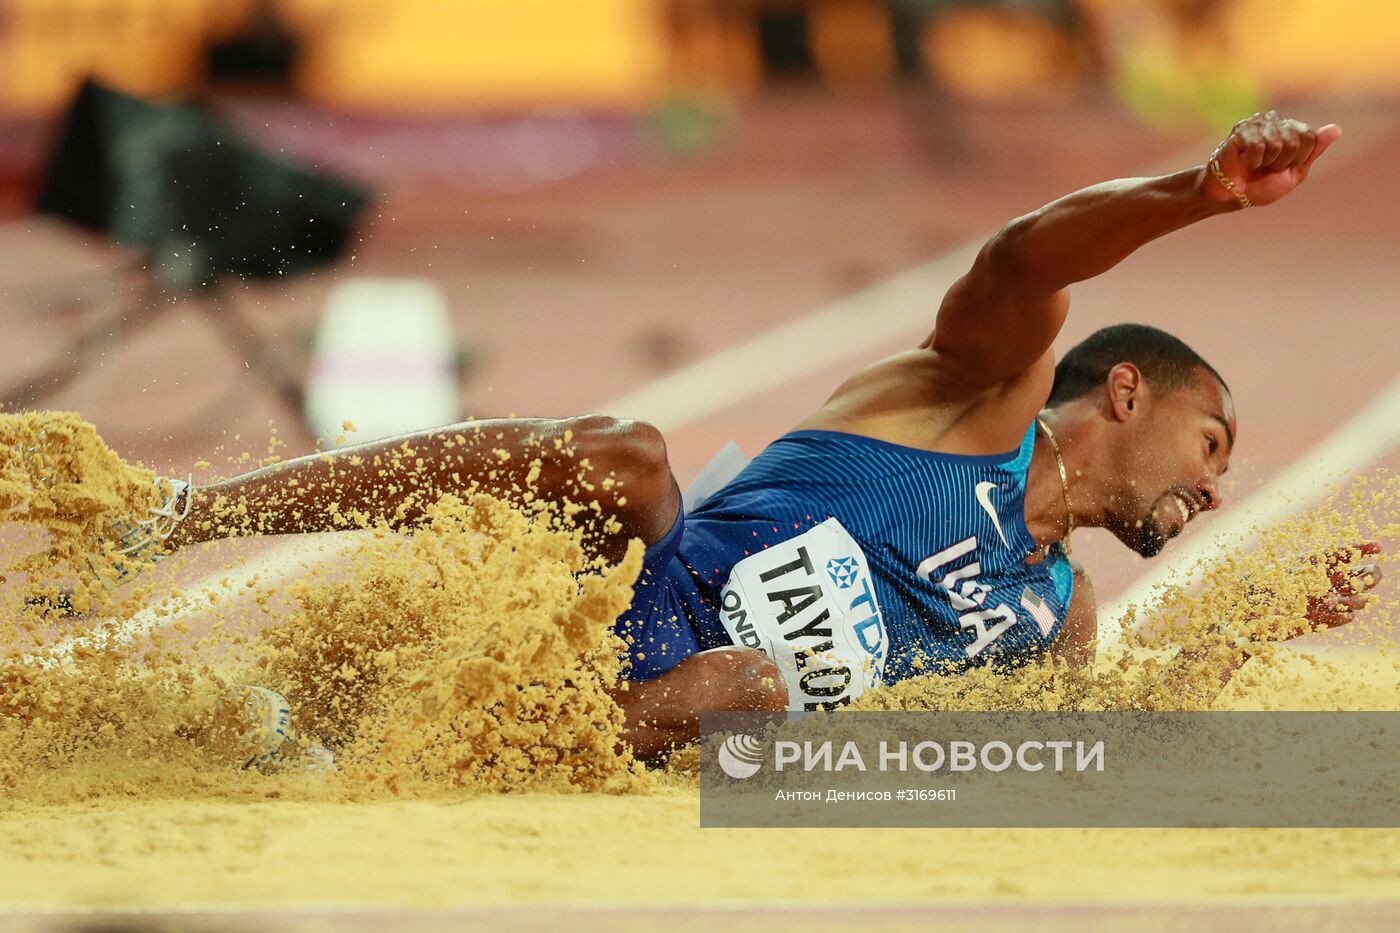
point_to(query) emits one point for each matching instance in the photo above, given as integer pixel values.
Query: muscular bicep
(993, 325)
(1078, 638)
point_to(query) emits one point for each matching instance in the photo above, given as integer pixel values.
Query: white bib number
(809, 604)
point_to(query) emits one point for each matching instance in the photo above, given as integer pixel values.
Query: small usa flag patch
(1039, 611)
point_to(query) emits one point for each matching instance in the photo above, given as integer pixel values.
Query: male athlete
(918, 520)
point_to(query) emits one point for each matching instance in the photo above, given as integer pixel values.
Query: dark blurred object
(198, 202)
(266, 50)
(175, 181)
(782, 35)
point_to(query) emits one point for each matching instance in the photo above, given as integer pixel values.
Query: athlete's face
(1177, 453)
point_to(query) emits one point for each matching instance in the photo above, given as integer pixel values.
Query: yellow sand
(460, 674)
(58, 475)
(611, 849)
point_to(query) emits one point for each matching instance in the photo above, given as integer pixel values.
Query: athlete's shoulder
(919, 399)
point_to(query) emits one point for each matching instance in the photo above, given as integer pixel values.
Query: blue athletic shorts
(656, 627)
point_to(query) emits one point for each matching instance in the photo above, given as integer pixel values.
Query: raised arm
(1001, 317)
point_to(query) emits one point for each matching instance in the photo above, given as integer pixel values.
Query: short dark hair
(1164, 361)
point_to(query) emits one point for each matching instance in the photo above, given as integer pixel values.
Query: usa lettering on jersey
(968, 595)
(809, 604)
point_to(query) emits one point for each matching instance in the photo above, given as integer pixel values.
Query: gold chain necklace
(1064, 480)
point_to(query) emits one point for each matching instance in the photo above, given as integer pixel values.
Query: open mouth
(1184, 507)
(1185, 510)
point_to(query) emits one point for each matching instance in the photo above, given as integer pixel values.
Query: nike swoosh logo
(984, 499)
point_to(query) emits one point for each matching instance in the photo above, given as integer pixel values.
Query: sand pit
(461, 674)
(646, 850)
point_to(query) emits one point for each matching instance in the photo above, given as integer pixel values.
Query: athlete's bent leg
(664, 713)
(620, 465)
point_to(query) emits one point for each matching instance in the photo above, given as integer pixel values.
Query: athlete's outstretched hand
(1267, 156)
(1349, 586)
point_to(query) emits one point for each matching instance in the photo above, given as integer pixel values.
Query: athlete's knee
(740, 680)
(624, 446)
(629, 459)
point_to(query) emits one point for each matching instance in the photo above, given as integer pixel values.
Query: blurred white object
(384, 357)
(722, 468)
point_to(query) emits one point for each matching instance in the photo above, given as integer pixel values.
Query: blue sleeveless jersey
(942, 539)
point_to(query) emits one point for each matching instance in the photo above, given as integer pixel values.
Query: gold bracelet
(1229, 185)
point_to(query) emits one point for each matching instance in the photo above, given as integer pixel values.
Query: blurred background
(225, 221)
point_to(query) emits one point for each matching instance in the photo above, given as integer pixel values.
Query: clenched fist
(1267, 156)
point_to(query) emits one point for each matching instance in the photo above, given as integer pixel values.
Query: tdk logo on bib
(822, 629)
(843, 571)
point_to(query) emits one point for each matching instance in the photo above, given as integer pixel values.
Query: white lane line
(903, 304)
(1370, 434)
(277, 565)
